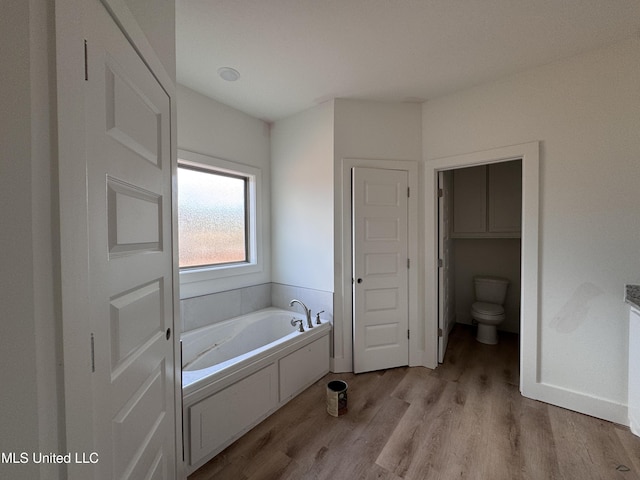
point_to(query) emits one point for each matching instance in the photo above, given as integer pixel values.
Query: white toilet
(488, 310)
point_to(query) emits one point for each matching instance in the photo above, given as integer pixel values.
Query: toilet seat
(487, 308)
(488, 312)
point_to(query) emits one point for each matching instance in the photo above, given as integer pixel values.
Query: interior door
(445, 264)
(380, 268)
(128, 175)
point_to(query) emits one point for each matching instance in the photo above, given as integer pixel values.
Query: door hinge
(440, 193)
(439, 332)
(93, 356)
(440, 263)
(408, 263)
(86, 62)
(408, 191)
(408, 334)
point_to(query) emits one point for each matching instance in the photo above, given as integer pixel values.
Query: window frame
(247, 211)
(206, 279)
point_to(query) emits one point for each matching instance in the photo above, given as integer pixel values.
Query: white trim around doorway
(342, 360)
(529, 330)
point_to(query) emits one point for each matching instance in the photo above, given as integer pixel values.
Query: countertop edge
(632, 295)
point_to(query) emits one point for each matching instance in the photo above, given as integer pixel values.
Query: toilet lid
(487, 308)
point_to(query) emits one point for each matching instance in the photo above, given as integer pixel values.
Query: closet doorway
(479, 229)
(529, 341)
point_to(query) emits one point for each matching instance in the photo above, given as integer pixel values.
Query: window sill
(206, 280)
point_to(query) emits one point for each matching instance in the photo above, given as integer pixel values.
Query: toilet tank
(490, 289)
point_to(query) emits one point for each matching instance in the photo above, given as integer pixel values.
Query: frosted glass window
(212, 218)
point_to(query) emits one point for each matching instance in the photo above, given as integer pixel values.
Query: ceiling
(294, 54)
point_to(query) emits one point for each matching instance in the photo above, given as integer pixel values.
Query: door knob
(359, 280)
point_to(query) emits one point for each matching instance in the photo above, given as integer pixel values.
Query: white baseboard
(634, 424)
(340, 365)
(578, 402)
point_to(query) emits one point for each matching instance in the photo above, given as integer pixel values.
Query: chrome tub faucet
(296, 322)
(307, 312)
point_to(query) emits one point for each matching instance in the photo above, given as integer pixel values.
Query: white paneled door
(380, 268)
(128, 168)
(445, 274)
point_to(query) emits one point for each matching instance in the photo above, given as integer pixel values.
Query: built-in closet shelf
(487, 201)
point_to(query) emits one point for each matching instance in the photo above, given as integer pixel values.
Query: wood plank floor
(463, 420)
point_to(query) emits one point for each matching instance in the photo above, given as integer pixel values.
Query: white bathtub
(237, 372)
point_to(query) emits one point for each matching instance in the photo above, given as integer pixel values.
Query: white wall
(366, 130)
(377, 130)
(307, 154)
(157, 19)
(586, 113)
(212, 128)
(30, 342)
(302, 199)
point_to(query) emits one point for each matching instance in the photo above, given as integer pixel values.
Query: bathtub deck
(465, 419)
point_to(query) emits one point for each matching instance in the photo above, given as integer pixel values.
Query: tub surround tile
(255, 298)
(228, 305)
(632, 295)
(281, 295)
(315, 300)
(209, 309)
